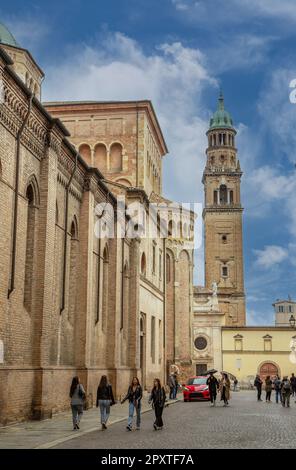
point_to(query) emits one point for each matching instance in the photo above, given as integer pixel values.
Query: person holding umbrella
(213, 385)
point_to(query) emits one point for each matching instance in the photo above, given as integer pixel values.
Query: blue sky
(178, 53)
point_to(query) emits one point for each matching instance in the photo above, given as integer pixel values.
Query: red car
(196, 389)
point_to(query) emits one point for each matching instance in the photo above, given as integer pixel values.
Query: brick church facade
(72, 303)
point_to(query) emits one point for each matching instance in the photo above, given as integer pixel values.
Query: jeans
(105, 410)
(131, 410)
(77, 412)
(268, 395)
(175, 390)
(172, 392)
(278, 396)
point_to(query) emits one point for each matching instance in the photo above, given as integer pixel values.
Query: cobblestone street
(244, 424)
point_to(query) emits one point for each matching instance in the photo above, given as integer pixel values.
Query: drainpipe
(66, 235)
(17, 179)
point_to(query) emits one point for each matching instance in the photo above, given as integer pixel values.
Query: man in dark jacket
(213, 385)
(258, 384)
(293, 384)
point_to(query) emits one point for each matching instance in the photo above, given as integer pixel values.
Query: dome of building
(221, 118)
(6, 37)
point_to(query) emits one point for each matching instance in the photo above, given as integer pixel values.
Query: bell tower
(223, 217)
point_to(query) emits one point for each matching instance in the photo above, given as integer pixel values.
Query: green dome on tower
(221, 118)
(6, 37)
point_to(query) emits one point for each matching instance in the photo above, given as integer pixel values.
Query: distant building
(284, 309)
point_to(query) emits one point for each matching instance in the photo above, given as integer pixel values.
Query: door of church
(201, 369)
(268, 368)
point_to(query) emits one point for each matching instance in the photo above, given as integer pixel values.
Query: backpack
(287, 386)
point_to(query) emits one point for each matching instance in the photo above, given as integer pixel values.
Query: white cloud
(238, 11)
(173, 77)
(250, 50)
(270, 256)
(278, 114)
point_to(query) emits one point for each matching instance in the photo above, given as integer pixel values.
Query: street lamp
(292, 321)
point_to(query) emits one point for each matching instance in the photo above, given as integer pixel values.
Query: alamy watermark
(153, 221)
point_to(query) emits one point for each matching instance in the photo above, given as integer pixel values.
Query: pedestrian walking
(278, 389)
(286, 392)
(293, 384)
(158, 399)
(268, 389)
(235, 382)
(105, 399)
(224, 388)
(172, 386)
(258, 384)
(77, 395)
(176, 386)
(213, 385)
(134, 396)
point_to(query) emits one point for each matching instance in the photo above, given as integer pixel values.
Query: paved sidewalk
(51, 432)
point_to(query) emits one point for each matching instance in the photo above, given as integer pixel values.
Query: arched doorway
(268, 368)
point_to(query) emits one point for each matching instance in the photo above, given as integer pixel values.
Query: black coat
(158, 397)
(133, 396)
(213, 384)
(105, 393)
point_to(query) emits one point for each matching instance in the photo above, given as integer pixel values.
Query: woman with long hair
(105, 399)
(268, 388)
(224, 388)
(158, 399)
(77, 395)
(134, 396)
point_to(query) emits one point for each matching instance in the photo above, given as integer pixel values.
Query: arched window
(85, 152)
(30, 246)
(231, 196)
(224, 270)
(143, 264)
(105, 287)
(172, 228)
(223, 194)
(168, 268)
(73, 270)
(100, 157)
(116, 157)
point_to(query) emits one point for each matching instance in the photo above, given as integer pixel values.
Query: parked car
(196, 389)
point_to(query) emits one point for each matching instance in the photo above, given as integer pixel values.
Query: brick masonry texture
(100, 323)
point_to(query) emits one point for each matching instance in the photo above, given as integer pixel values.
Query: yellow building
(263, 350)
